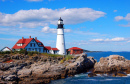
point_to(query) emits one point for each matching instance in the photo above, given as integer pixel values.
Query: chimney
(35, 38)
(29, 36)
(22, 38)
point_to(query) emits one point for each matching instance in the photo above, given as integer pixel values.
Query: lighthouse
(60, 43)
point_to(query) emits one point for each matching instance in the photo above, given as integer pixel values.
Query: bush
(5, 52)
(30, 53)
(23, 51)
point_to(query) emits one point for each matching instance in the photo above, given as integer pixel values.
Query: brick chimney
(29, 36)
(35, 38)
(22, 38)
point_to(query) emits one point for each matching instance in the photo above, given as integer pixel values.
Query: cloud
(47, 29)
(86, 33)
(115, 11)
(97, 40)
(42, 17)
(127, 25)
(34, 0)
(117, 39)
(9, 39)
(127, 18)
(118, 18)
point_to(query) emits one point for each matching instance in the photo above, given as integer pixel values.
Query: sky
(95, 25)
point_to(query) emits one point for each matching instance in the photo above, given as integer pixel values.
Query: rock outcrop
(37, 70)
(113, 63)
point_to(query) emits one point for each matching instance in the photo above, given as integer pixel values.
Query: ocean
(84, 79)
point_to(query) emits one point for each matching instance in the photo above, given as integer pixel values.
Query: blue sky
(97, 25)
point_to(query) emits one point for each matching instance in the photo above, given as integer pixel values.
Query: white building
(60, 43)
(5, 49)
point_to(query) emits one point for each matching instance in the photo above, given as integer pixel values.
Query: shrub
(5, 52)
(23, 51)
(31, 53)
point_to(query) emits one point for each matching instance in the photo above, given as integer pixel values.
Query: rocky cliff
(39, 69)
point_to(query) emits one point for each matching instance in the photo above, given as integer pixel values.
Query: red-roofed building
(47, 49)
(30, 44)
(50, 50)
(54, 51)
(75, 50)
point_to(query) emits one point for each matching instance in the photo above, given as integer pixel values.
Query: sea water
(99, 79)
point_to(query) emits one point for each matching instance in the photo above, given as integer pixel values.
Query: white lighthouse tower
(60, 43)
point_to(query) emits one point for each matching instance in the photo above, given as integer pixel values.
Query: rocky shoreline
(22, 69)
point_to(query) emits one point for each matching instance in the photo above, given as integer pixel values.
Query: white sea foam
(99, 75)
(81, 75)
(128, 74)
(88, 79)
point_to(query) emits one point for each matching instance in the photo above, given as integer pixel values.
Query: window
(35, 49)
(34, 45)
(30, 44)
(39, 50)
(29, 49)
(19, 44)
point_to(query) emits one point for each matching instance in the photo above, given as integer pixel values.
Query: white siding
(6, 49)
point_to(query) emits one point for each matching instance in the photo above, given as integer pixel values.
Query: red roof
(47, 47)
(38, 41)
(8, 48)
(25, 42)
(75, 48)
(54, 48)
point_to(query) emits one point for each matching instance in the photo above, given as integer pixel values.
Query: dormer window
(20, 44)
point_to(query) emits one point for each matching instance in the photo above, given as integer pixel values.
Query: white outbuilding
(5, 49)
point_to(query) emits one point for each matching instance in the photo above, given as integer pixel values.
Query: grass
(67, 57)
(51, 55)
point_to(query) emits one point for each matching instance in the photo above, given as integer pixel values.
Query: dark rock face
(91, 74)
(80, 65)
(112, 64)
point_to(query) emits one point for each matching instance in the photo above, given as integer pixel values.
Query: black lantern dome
(60, 23)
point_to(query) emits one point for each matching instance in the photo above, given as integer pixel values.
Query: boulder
(91, 74)
(120, 73)
(113, 63)
(81, 64)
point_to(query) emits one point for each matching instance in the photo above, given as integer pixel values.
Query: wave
(81, 75)
(97, 79)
